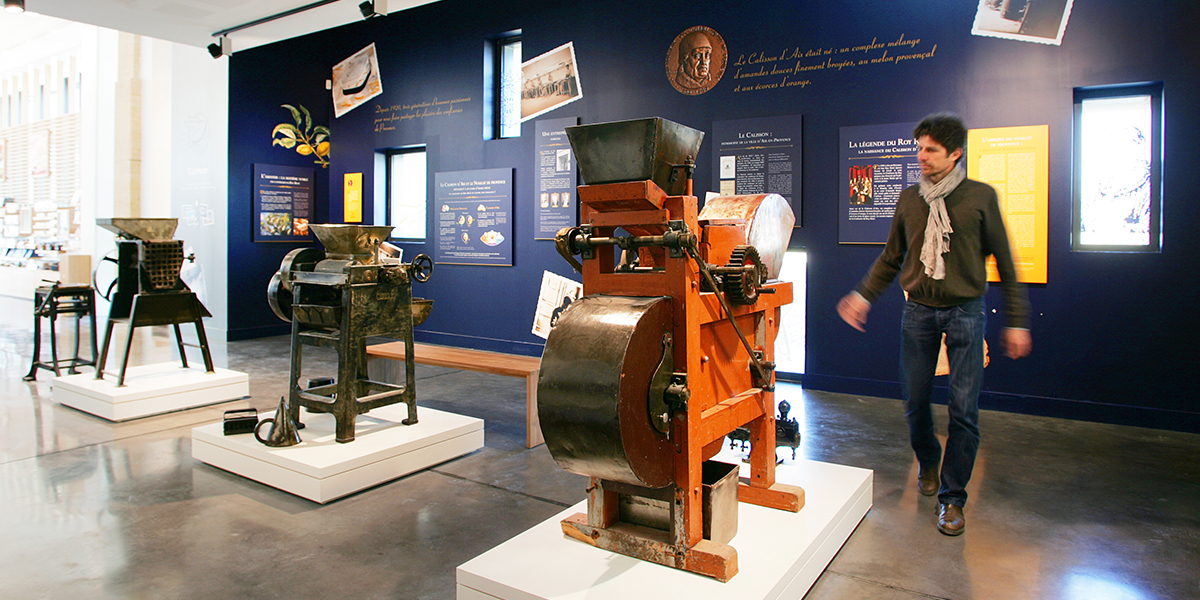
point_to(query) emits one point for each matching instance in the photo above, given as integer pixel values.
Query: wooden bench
(482, 361)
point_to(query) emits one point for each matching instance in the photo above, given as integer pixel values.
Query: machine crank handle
(422, 267)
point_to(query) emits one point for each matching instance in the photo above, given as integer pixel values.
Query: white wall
(199, 142)
(183, 146)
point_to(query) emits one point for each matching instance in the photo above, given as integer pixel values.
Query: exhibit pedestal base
(321, 470)
(780, 554)
(149, 390)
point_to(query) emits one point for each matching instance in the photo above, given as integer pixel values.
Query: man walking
(942, 232)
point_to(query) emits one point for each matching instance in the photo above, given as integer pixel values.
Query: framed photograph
(549, 81)
(356, 80)
(1039, 21)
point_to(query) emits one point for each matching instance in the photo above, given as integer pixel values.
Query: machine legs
(163, 309)
(179, 342)
(352, 393)
(54, 301)
(102, 358)
(37, 348)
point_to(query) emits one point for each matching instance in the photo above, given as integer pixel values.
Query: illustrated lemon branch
(303, 136)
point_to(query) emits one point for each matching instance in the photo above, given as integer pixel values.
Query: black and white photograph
(549, 81)
(1039, 21)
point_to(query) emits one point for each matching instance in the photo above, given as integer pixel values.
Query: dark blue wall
(1113, 333)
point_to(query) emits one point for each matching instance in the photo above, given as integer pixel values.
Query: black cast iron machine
(337, 298)
(147, 289)
(669, 350)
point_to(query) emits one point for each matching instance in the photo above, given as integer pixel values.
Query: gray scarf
(937, 229)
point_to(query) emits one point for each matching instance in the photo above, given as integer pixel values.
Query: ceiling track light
(373, 8)
(222, 47)
(14, 6)
(286, 13)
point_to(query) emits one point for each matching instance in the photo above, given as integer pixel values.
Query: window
(510, 87)
(789, 345)
(407, 193)
(502, 86)
(1117, 204)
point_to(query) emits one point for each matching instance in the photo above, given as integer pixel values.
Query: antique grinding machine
(669, 350)
(147, 289)
(337, 298)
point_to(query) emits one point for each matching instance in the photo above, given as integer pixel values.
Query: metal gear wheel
(742, 288)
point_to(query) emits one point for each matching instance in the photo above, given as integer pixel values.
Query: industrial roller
(597, 376)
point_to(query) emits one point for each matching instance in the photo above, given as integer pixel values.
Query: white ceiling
(188, 22)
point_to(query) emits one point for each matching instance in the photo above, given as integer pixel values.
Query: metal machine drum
(595, 388)
(769, 220)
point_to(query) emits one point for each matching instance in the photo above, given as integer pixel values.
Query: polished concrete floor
(94, 509)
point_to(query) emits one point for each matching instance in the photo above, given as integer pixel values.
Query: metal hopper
(351, 242)
(141, 229)
(635, 150)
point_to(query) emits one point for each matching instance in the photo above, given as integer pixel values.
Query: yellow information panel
(1015, 161)
(353, 197)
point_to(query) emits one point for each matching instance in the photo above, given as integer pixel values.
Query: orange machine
(670, 349)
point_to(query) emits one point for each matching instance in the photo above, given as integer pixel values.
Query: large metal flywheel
(595, 389)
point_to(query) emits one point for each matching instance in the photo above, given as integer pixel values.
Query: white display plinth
(321, 470)
(780, 554)
(149, 390)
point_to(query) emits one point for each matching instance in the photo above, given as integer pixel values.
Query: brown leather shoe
(951, 520)
(927, 480)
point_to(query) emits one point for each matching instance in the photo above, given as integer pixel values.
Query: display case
(33, 237)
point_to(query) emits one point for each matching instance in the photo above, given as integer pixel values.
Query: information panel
(555, 205)
(877, 163)
(759, 156)
(474, 217)
(352, 197)
(283, 203)
(1015, 161)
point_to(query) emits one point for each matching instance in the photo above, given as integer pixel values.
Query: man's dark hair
(946, 129)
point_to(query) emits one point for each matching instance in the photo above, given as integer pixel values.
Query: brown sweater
(978, 232)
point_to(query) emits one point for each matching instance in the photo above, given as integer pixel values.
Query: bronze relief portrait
(696, 60)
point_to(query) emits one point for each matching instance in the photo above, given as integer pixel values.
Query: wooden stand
(780, 554)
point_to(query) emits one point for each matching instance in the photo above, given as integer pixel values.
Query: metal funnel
(634, 150)
(141, 229)
(346, 242)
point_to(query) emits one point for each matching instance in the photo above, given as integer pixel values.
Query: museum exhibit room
(449, 299)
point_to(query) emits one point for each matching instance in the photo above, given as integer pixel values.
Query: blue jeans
(921, 335)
